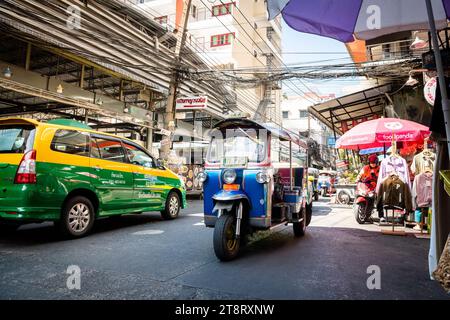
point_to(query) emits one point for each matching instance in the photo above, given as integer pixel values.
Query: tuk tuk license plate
(234, 162)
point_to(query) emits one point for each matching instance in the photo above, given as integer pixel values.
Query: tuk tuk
(254, 179)
(326, 182)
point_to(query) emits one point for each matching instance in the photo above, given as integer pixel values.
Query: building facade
(297, 118)
(231, 35)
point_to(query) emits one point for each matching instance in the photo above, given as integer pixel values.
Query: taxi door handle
(97, 168)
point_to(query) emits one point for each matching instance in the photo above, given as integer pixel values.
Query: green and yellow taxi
(63, 171)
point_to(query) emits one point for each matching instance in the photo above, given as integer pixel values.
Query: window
(285, 114)
(222, 9)
(221, 39)
(161, 20)
(200, 43)
(16, 138)
(303, 114)
(70, 141)
(107, 149)
(138, 156)
(194, 11)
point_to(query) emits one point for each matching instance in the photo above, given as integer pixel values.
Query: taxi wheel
(300, 227)
(226, 246)
(173, 206)
(77, 218)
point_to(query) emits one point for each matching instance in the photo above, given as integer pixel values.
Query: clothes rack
(393, 232)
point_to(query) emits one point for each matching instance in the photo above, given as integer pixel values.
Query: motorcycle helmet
(373, 159)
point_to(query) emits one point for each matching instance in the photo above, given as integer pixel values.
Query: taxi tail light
(26, 173)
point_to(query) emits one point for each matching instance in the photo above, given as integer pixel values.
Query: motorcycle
(365, 202)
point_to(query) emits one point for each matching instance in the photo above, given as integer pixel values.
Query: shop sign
(429, 90)
(192, 103)
(331, 141)
(342, 164)
(165, 132)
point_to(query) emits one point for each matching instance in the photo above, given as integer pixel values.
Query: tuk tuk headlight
(229, 176)
(202, 176)
(262, 177)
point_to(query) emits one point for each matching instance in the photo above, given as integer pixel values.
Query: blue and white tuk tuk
(254, 179)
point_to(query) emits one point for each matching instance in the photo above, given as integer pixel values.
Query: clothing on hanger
(394, 164)
(422, 192)
(394, 192)
(422, 161)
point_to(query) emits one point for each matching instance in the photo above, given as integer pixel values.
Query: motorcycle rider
(369, 176)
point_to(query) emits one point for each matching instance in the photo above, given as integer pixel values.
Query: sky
(309, 45)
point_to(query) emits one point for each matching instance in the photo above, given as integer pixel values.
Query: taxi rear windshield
(16, 138)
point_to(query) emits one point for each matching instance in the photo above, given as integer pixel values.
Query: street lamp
(411, 81)
(60, 89)
(7, 72)
(418, 44)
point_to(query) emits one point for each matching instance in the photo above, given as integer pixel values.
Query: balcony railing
(271, 35)
(393, 50)
(277, 22)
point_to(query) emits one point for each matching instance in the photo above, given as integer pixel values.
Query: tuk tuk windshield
(324, 178)
(244, 145)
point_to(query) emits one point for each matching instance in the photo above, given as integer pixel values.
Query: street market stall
(355, 19)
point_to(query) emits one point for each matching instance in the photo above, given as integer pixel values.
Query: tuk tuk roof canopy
(278, 132)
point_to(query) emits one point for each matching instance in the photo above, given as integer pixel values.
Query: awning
(341, 112)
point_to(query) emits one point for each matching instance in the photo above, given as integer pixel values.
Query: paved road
(144, 257)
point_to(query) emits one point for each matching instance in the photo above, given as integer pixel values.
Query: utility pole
(169, 118)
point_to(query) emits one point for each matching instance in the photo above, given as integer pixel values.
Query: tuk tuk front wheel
(300, 227)
(226, 246)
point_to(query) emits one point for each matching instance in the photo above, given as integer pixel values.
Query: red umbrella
(379, 132)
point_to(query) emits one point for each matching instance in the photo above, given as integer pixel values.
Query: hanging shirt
(422, 192)
(422, 161)
(394, 164)
(394, 192)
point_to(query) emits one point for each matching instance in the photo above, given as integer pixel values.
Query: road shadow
(36, 234)
(332, 263)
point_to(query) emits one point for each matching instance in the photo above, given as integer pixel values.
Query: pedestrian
(369, 176)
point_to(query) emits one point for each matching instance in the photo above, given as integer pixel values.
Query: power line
(245, 17)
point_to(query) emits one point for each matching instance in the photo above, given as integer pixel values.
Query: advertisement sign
(165, 132)
(192, 103)
(429, 90)
(341, 164)
(331, 141)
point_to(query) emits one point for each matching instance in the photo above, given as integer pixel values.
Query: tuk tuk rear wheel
(308, 209)
(300, 227)
(226, 246)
